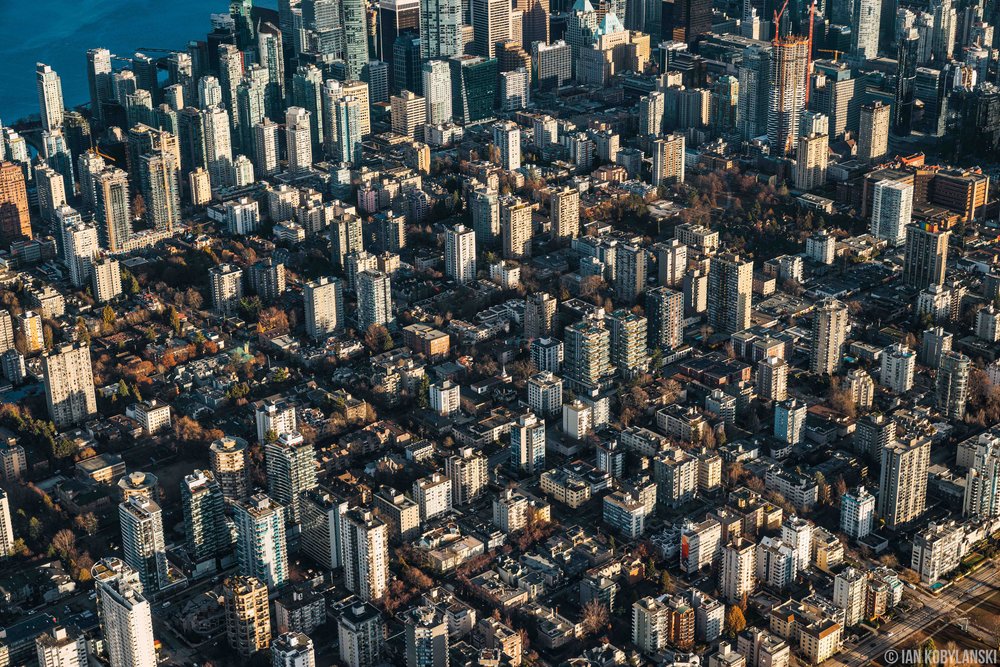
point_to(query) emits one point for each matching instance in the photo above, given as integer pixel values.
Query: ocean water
(59, 33)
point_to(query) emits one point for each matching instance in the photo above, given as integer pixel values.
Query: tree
(378, 339)
(64, 542)
(423, 392)
(595, 616)
(735, 621)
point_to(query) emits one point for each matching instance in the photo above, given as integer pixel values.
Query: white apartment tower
(460, 254)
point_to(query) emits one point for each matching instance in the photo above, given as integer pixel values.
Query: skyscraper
(298, 125)
(440, 28)
(324, 306)
(952, 390)
(261, 550)
(564, 209)
(69, 384)
(515, 227)
(737, 576)
(159, 178)
(248, 615)
(630, 272)
(534, 22)
(787, 93)
(322, 524)
(226, 282)
(539, 315)
(892, 207)
(926, 255)
(114, 213)
(527, 444)
(437, 91)
(15, 218)
(829, 333)
(865, 28)
(374, 299)
(356, 54)
(906, 76)
(6, 527)
(903, 482)
(668, 160)
(467, 472)
(99, 80)
(50, 97)
(81, 247)
(810, 161)
(587, 357)
(291, 469)
(982, 482)
(473, 87)
(228, 458)
(143, 546)
(460, 254)
(665, 312)
(426, 637)
(126, 618)
(205, 532)
(293, 649)
(394, 18)
(366, 554)
(690, 19)
(628, 342)
(507, 139)
(873, 132)
(730, 293)
(409, 114)
(361, 631)
(490, 24)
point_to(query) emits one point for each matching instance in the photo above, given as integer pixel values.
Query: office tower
(361, 631)
(228, 457)
(366, 554)
(507, 140)
(437, 91)
(62, 647)
(628, 342)
(395, 18)
(892, 207)
(690, 19)
(409, 114)
(527, 444)
(374, 299)
(926, 255)
(226, 281)
(299, 141)
(99, 80)
(982, 482)
(665, 312)
(873, 132)
(737, 576)
(324, 306)
(587, 361)
(15, 218)
(473, 87)
(630, 272)
(292, 649)
(248, 615)
(534, 21)
(6, 527)
(291, 469)
(143, 547)
(952, 389)
(126, 619)
(787, 93)
(355, 37)
(460, 254)
(730, 285)
(467, 472)
(906, 75)
(724, 105)
(515, 227)
(440, 28)
(81, 246)
(426, 637)
(772, 379)
(903, 481)
(205, 531)
(668, 160)
(810, 161)
(943, 30)
(69, 384)
(113, 208)
(552, 65)
(159, 179)
(857, 513)
(50, 97)
(829, 333)
(564, 208)
(867, 14)
(261, 550)
(490, 24)
(790, 421)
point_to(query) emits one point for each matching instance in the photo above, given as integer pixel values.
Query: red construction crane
(809, 51)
